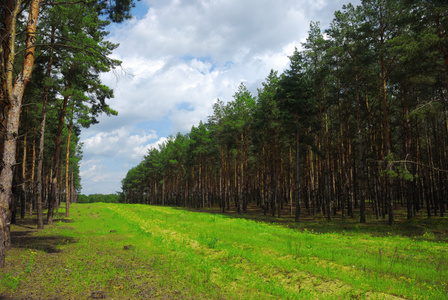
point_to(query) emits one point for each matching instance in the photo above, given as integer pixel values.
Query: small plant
(293, 248)
(429, 234)
(209, 241)
(10, 282)
(29, 266)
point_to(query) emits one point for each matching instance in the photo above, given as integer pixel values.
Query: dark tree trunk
(54, 193)
(297, 190)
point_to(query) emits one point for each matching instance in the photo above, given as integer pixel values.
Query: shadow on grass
(62, 220)
(23, 235)
(48, 244)
(31, 223)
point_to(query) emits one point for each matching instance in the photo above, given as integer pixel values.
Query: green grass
(174, 253)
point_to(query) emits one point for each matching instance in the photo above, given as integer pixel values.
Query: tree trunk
(24, 184)
(362, 177)
(67, 190)
(55, 171)
(33, 167)
(72, 189)
(39, 183)
(297, 190)
(14, 95)
(239, 168)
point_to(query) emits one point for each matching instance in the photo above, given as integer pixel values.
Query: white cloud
(118, 142)
(223, 30)
(156, 144)
(98, 178)
(89, 167)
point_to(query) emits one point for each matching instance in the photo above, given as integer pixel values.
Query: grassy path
(135, 251)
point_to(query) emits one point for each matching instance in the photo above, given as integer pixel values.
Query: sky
(180, 56)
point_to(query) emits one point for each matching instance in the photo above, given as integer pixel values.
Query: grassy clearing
(173, 253)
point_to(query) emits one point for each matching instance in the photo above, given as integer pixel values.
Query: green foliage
(92, 198)
(396, 169)
(116, 10)
(399, 172)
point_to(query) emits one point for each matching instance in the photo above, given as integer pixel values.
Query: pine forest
(356, 125)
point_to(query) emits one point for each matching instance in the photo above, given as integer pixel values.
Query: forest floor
(123, 251)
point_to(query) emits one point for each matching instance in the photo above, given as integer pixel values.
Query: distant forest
(92, 198)
(356, 125)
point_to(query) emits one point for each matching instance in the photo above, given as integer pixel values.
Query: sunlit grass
(176, 253)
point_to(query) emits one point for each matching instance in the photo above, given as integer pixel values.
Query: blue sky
(178, 58)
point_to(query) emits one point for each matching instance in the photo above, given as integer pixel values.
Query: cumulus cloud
(223, 30)
(111, 156)
(118, 142)
(102, 176)
(178, 58)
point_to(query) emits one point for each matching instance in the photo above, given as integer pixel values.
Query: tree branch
(411, 162)
(64, 3)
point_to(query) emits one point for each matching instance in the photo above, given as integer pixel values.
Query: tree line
(51, 55)
(357, 123)
(92, 198)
